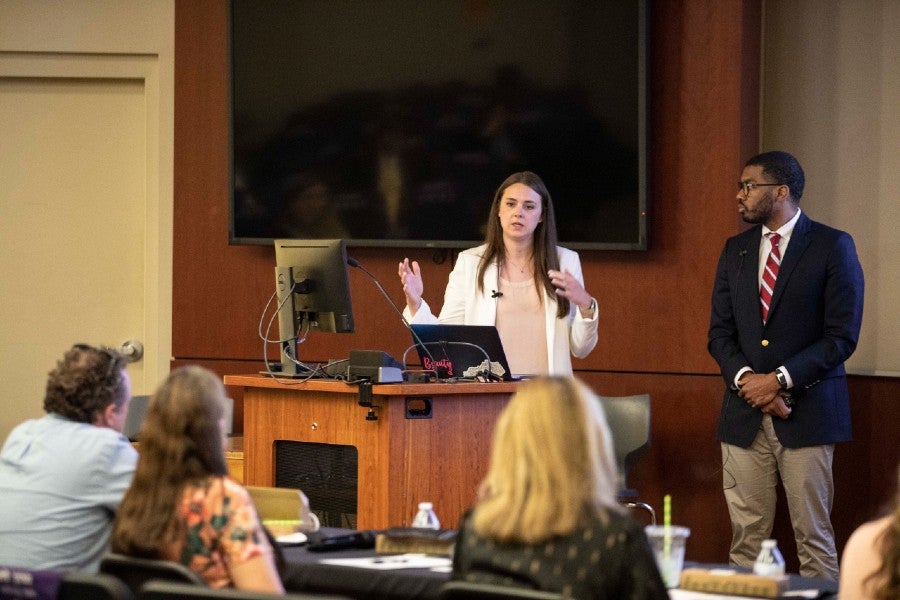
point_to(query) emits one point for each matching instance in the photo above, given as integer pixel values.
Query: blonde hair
(552, 464)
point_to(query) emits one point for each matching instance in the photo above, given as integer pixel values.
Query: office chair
(135, 572)
(22, 582)
(170, 590)
(629, 421)
(93, 586)
(465, 590)
(137, 411)
(134, 418)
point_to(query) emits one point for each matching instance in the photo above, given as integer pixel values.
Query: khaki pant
(749, 478)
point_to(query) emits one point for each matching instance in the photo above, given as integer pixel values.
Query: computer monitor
(313, 292)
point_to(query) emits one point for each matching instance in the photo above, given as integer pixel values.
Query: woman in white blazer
(517, 277)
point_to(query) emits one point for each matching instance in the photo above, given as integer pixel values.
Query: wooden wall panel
(704, 109)
(654, 304)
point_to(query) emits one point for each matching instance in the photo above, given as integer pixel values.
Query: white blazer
(464, 303)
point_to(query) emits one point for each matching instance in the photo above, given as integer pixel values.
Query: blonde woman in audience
(182, 505)
(870, 567)
(547, 516)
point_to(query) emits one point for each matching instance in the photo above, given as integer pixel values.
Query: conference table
(409, 442)
(305, 572)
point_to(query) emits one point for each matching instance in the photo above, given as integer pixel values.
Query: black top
(596, 561)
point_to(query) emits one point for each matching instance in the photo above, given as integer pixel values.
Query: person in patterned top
(547, 516)
(182, 505)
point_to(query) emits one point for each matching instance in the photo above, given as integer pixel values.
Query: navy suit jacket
(813, 327)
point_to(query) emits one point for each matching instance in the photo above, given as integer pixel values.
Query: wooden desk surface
(380, 389)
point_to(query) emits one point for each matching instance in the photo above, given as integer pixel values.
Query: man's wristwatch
(782, 380)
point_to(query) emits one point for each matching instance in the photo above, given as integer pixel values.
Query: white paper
(391, 561)
(677, 594)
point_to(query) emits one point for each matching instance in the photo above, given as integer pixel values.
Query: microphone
(742, 254)
(496, 294)
(355, 264)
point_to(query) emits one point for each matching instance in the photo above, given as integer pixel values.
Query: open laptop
(458, 351)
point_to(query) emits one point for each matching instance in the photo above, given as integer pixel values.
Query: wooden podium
(427, 442)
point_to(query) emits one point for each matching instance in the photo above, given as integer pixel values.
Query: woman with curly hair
(62, 476)
(870, 567)
(182, 506)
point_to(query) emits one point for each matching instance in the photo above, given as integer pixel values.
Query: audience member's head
(90, 385)
(889, 573)
(182, 505)
(62, 476)
(547, 517)
(182, 439)
(552, 461)
(183, 433)
(870, 567)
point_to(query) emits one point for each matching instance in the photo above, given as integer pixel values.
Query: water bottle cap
(769, 543)
(425, 506)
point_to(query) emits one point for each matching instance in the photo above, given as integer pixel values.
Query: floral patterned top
(222, 530)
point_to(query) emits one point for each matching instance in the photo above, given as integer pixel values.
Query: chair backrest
(465, 590)
(135, 572)
(277, 503)
(169, 590)
(137, 410)
(93, 586)
(629, 422)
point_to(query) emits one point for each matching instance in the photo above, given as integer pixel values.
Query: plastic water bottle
(769, 563)
(425, 518)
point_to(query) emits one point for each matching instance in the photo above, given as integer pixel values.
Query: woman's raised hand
(411, 280)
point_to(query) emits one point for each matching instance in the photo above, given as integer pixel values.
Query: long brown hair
(886, 578)
(552, 462)
(181, 441)
(545, 240)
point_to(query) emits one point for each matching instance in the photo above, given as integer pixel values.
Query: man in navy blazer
(786, 401)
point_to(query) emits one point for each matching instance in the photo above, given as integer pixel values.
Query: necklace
(521, 267)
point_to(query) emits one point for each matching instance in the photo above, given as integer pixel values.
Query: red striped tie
(770, 274)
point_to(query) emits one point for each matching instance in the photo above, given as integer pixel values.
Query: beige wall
(831, 88)
(86, 101)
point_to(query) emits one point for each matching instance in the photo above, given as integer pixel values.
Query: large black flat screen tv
(392, 122)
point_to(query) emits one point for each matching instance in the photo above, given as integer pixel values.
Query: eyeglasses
(111, 357)
(749, 186)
